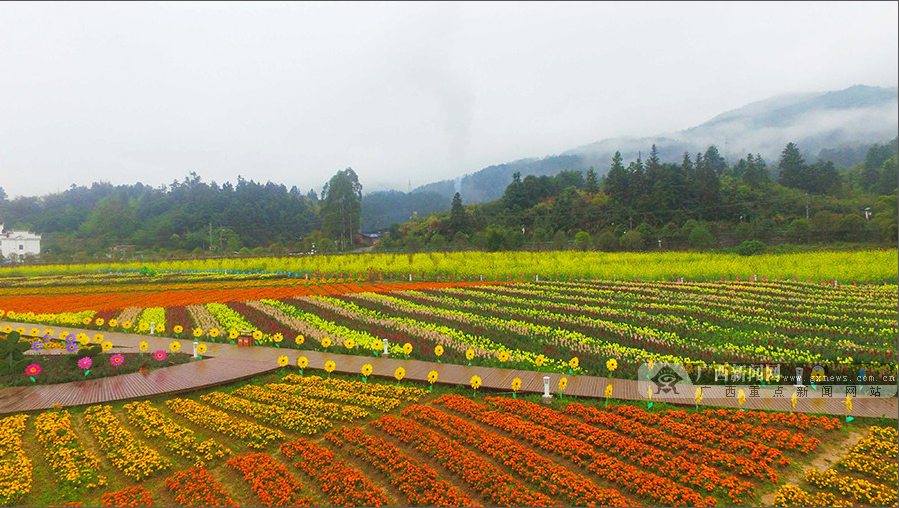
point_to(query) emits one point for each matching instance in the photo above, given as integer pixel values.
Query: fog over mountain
(859, 115)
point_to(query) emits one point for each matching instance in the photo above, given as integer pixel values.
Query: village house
(18, 244)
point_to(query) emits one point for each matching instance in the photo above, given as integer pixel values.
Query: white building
(19, 243)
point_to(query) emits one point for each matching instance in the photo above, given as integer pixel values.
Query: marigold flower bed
(255, 435)
(276, 415)
(344, 485)
(196, 487)
(129, 496)
(482, 476)
(74, 466)
(329, 410)
(135, 459)
(417, 481)
(177, 438)
(272, 483)
(15, 466)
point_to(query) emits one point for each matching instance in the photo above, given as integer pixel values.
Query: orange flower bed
(269, 480)
(167, 296)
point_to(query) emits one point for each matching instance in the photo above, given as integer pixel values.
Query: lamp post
(546, 395)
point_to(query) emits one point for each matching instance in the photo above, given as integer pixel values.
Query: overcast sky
(294, 92)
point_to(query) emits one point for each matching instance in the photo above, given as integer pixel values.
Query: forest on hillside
(698, 204)
(642, 205)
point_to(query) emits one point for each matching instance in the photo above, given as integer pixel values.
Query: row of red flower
(661, 490)
(270, 480)
(343, 484)
(552, 478)
(417, 481)
(662, 440)
(482, 476)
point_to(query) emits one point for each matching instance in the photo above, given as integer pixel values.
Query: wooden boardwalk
(227, 363)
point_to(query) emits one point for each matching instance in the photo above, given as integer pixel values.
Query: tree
(560, 240)
(591, 185)
(458, 221)
(714, 160)
(633, 241)
(607, 241)
(341, 211)
(582, 241)
(792, 167)
(617, 181)
(756, 174)
(700, 237)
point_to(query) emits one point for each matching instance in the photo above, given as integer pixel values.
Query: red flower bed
(660, 439)
(418, 482)
(424, 348)
(262, 321)
(178, 315)
(551, 477)
(569, 445)
(269, 480)
(344, 485)
(129, 496)
(482, 476)
(196, 487)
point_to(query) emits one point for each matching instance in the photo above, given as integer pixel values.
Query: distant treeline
(642, 205)
(701, 203)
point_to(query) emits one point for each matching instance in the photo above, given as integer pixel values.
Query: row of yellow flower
(178, 439)
(135, 459)
(321, 392)
(15, 467)
(406, 393)
(329, 410)
(462, 338)
(73, 465)
(530, 304)
(297, 421)
(255, 435)
(361, 339)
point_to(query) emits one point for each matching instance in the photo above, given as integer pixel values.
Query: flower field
(289, 438)
(419, 448)
(572, 327)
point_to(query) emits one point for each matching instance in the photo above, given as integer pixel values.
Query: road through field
(227, 362)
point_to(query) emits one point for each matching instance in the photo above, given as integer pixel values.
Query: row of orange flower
(799, 421)
(552, 478)
(197, 487)
(255, 435)
(107, 297)
(662, 440)
(778, 438)
(483, 477)
(700, 433)
(272, 483)
(416, 481)
(554, 437)
(344, 485)
(129, 496)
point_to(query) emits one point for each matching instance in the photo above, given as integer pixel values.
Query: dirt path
(829, 455)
